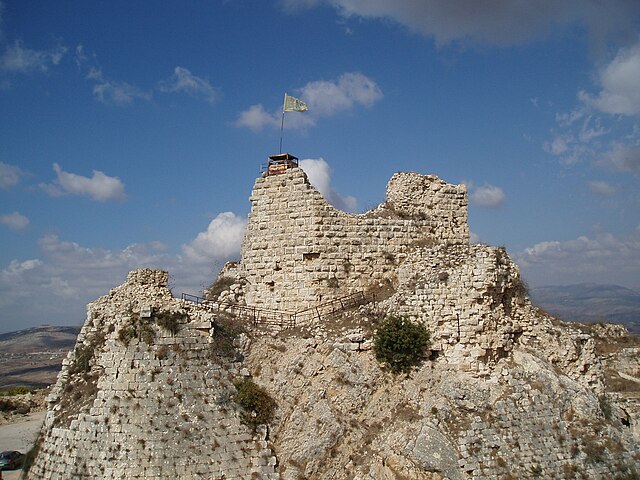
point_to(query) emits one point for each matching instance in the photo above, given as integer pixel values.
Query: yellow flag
(293, 104)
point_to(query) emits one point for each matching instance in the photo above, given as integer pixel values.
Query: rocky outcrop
(341, 416)
(506, 391)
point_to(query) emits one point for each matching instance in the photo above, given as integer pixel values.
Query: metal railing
(282, 318)
(255, 315)
(333, 307)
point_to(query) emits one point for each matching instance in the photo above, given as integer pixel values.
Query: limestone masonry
(299, 251)
(507, 392)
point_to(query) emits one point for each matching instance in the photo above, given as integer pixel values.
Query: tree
(401, 344)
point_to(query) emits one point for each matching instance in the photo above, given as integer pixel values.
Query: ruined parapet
(146, 395)
(299, 251)
(413, 195)
(469, 296)
(148, 276)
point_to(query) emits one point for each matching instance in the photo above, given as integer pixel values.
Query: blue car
(11, 460)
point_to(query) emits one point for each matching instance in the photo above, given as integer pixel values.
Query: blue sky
(131, 132)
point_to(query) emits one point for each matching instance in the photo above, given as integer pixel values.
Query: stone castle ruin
(299, 251)
(150, 390)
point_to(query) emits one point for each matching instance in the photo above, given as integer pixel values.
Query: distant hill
(590, 302)
(33, 357)
(37, 339)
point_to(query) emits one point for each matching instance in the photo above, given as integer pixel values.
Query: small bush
(225, 330)
(595, 452)
(84, 354)
(258, 406)
(14, 391)
(605, 407)
(126, 334)
(219, 286)
(137, 328)
(170, 321)
(401, 344)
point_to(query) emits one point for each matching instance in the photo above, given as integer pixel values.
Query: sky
(131, 133)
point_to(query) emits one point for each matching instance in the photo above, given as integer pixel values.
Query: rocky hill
(590, 302)
(274, 375)
(33, 357)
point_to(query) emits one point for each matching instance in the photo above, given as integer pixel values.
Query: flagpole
(282, 122)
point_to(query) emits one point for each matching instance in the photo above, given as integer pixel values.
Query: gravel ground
(20, 436)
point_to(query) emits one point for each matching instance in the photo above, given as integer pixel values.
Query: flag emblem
(293, 104)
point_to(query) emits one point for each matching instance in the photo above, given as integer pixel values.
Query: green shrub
(257, 405)
(126, 334)
(225, 329)
(170, 321)
(14, 391)
(137, 328)
(84, 355)
(400, 344)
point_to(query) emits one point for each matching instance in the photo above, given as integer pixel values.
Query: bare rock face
(341, 416)
(506, 391)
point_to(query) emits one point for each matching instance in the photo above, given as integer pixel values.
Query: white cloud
(622, 157)
(119, 94)
(66, 278)
(222, 239)
(99, 187)
(16, 268)
(492, 22)
(620, 85)
(600, 187)
(591, 129)
(559, 145)
(324, 98)
(111, 92)
(603, 258)
(14, 221)
(256, 118)
(68, 275)
(319, 174)
(603, 128)
(9, 175)
(487, 196)
(184, 81)
(474, 238)
(18, 59)
(80, 57)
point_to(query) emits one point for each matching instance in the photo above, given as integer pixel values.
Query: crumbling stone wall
(299, 251)
(469, 296)
(154, 403)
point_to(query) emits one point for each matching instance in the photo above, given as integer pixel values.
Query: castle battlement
(299, 251)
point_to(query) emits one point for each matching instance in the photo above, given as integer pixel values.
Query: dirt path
(20, 436)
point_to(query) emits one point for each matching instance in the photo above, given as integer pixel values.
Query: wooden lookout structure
(280, 163)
